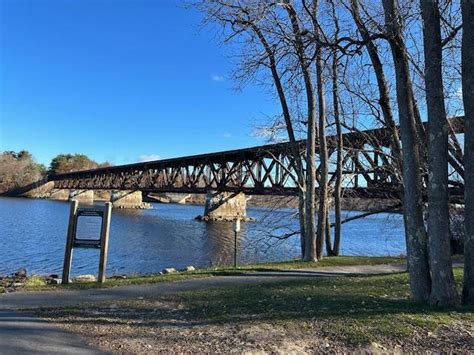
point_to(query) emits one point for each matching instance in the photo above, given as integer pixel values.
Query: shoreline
(21, 281)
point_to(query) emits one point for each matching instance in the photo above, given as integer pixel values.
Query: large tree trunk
(310, 200)
(415, 233)
(323, 158)
(443, 288)
(468, 98)
(340, 147)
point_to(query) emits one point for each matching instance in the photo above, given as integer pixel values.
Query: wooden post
(69, 242)
(104, 240)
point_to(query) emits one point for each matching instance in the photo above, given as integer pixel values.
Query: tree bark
(415, 233)
(467, 63)
(443, 288)
(340, 147)
(310, 200)
(323, 158)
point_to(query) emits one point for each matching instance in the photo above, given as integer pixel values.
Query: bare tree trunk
(415, 233)
(329, 250)
(302, 220)
(291, 135)
(468, 98)
(339, 143)
(310, 242)
(443, 288)
(323, 158)
(384, 96)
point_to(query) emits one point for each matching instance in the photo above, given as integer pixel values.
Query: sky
(120, 81)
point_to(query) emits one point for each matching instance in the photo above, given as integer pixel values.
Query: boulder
(169, 270)
(54, 281)
(190, 268)
(85, 278)
(21, 274)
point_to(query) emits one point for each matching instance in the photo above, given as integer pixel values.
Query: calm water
(33, 232)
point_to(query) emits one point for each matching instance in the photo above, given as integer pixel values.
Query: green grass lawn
(36, 283)
(358, 309)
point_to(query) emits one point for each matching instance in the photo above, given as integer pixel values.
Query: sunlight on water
(33, 234)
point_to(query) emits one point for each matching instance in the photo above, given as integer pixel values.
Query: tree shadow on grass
(357, 298)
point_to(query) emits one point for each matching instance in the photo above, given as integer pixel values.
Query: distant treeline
(19, 169)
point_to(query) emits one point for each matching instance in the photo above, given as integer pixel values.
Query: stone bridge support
(225, 206)
(178, 197)
(128, 199)
(82, 196)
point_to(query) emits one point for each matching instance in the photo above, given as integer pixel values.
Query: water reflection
(219, 242)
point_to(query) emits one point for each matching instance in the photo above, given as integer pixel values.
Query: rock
(169, 270)
(22, 273)
(17, 284)
(55, 281)
(190, 268)
(85, 278)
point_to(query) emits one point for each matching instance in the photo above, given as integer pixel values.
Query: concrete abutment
(82, 196)
(128, 199)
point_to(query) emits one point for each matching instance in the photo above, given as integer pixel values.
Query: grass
(359, 309)
(355, 310)
(216, 271)
(328, 261)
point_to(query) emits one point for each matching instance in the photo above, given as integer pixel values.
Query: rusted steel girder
(369, 170)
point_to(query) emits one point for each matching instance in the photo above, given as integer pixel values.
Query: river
(33, 232)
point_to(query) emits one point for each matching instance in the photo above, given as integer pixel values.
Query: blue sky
(118, 80)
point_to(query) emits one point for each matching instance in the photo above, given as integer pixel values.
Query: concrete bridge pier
(128, 199)
(178, 197)
(225, 206)
(59, 194)
(82, 196)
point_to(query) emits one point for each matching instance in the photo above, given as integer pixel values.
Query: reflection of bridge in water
(368, 170)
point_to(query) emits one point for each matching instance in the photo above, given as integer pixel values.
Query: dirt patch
(166, 325)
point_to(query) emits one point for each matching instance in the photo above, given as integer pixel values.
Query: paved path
(23, 334)
(58, 298)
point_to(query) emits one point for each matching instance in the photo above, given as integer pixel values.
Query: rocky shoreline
(20, 279)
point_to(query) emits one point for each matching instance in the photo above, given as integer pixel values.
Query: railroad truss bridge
(369, 171)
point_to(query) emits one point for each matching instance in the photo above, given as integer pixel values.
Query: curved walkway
(20, 333)
(63, 298)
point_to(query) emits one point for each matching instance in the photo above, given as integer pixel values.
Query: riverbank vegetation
(18, 170)
(317, 315)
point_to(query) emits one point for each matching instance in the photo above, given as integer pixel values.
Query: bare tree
(382, 85)
(415, 232)
(443, 288)
(468, 98)
(274, 45)
(311, 253)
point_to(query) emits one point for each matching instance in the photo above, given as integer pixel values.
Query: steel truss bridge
(369, 170)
